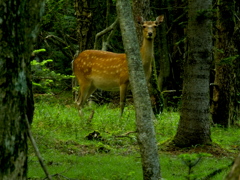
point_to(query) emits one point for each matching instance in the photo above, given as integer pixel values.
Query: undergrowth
(105, 147)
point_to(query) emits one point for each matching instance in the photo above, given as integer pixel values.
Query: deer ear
(139, 20)
(159, 19)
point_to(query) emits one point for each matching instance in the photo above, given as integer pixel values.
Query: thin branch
(57, 38)
(59, 42)
(237, 17)
(110, 28)
(169, 91)
(37, 152)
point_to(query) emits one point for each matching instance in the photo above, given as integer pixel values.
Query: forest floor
(103, 146)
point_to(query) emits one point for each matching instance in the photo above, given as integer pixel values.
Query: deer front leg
(123, 92)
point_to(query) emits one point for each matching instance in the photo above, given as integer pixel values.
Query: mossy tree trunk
(162, 45)
(194, 124)
(145, 129)
(19, 21)
(84, 17)
(162, 71)
(224, 102)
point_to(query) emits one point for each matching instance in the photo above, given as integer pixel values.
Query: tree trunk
(224, 102)
(234, 174)
(164, 63)
(161, 76)
(145, 128)
(236, 40)
(19, 19)
(194, 125)
(141, 8)
(84, 21)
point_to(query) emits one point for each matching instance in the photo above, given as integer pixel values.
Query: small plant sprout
(191, 160)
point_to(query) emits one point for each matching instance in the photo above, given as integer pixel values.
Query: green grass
(228, 138)
(91, 167)
(61, 137)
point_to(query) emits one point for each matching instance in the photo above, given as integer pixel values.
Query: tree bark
(164, 62)
(224, 102)
(19, 21)
(84, 21)
(141, 8)
(194, 124)
(145, 128)
(234, 174)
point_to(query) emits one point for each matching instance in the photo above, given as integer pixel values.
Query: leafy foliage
(45, 80)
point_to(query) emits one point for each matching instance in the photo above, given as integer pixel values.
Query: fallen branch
(126, 134)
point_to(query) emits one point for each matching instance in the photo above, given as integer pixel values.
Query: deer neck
(147, 56)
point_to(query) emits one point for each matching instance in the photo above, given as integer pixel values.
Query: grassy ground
(105, 148)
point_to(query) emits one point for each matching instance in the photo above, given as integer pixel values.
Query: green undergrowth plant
(166, 125)
(192, 160)
(44, 78)
(228, 138)
(176, 167)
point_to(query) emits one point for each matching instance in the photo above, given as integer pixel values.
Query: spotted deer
(96, 69)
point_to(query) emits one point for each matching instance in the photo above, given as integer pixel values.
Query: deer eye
(144, 26)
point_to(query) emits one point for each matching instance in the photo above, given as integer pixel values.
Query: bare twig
(60, 42)
(110, 28)
(56, 38)
(36, 149)
(168, 91)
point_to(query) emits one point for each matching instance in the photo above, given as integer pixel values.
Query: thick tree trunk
(177, 46)
(162, 66)
(164, 73)
(84, 21)
(19, 22)
(164, 63)
(194, 125)
(145, 128)
(224, 102)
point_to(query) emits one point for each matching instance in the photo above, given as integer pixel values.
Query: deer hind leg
(123, 93)
(84, 92)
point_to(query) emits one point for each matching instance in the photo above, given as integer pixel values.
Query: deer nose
(150, 34)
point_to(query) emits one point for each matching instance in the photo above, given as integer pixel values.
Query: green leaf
(39, 50)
